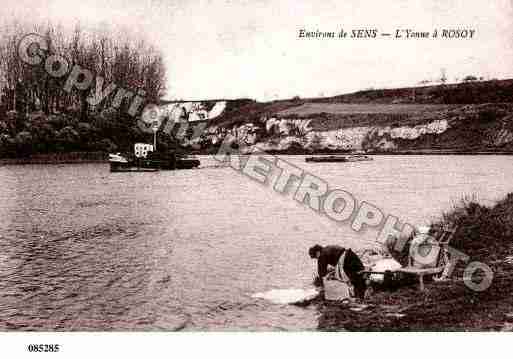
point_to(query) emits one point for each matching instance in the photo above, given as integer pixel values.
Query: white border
(260, 345)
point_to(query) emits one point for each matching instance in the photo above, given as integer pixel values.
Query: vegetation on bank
(38, 115)
(485, 234)
(35, 135)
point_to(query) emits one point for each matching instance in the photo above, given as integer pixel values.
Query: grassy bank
(485, 234)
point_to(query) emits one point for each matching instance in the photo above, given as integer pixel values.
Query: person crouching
(346, 263)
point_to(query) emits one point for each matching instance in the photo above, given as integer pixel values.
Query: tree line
(38, 115)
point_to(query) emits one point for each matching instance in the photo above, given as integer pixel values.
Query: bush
(482, 232)
(486, 116)
(24, 143)
(470, 78)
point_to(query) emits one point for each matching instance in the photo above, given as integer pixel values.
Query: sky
(233, 49)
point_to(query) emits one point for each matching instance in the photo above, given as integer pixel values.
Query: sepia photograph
(246, 167)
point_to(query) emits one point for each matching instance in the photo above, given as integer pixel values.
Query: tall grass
(483, 232)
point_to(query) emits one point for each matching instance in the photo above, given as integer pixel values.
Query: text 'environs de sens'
(374, 33)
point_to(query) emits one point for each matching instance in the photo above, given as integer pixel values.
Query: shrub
(482, 231)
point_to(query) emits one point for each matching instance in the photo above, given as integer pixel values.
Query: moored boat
(144, 159)
(349, 158)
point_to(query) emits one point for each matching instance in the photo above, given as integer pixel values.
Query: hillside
(465, 117)
(460, 93)
(478, 92)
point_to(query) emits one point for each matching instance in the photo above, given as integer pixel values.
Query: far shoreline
(57, 158)
(395, 153)
(95, 157)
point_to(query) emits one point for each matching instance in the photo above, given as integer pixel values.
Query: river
(85, 249)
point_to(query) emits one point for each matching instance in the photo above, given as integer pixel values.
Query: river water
(85, 249)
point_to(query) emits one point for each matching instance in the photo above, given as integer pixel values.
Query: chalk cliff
(428, 118)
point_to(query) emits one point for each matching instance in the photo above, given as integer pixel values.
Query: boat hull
(116, 167)
(144, 165)
(338, 159)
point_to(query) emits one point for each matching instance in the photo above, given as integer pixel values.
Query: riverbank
(57, 158)
(102, 157)
(393, 153)
(484, 234)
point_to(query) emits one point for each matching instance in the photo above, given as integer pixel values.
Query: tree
(68, 138)
(470, 78)
(133, 66)
(443, 77)
(113, 58)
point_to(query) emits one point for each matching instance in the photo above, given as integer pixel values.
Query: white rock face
(347, 138)
(191, 111)
(270, 123)
(352, 138)
(280, 134)
(411, 133)
(217, 110)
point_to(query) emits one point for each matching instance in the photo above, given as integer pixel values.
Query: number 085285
(43, 348)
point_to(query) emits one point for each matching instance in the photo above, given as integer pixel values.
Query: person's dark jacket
(352, 263)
